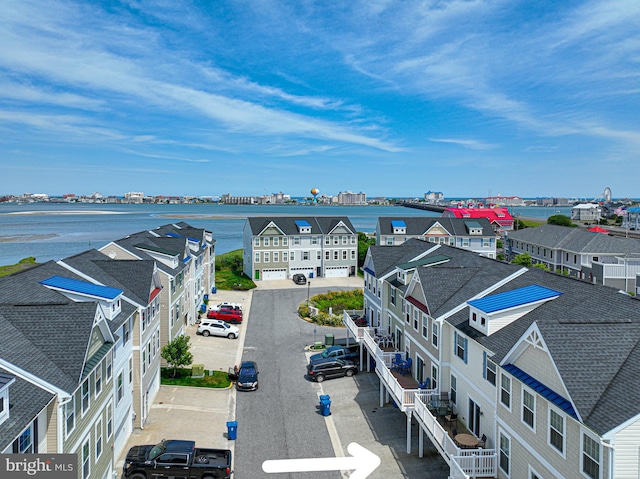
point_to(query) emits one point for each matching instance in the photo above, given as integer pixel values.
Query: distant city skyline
(474, 99)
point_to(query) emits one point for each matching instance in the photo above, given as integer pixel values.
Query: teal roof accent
(398, 224)
(473, 225)
(303, 223)
(514, 298)
(82, 287)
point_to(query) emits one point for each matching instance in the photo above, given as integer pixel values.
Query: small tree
(176, 353)
(523, 259)
(561, 220)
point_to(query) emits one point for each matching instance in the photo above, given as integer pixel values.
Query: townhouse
(476, 235)
(279, 247)
(609, 260)
(542, 367)
(140, 284)
(61, 347)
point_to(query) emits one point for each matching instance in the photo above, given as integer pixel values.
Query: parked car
(338, 352)
(299, 278)
(228, 315)
(247, 376)
(171, 458)
(331, 368)
(217, 327)
(226, 305)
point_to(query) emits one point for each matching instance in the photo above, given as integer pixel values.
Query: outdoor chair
(405, 367)
(397, 361)
(483, 441)
(451, 418)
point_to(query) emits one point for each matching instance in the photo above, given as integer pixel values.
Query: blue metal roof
(370, 271)
(82, 287)
(173, 235)
(511, 299)
(303, 223)
(398, 224)
(541, 389)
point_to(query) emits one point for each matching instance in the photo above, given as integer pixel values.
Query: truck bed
(212, 457)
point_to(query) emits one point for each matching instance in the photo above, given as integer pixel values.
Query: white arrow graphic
(363, 462)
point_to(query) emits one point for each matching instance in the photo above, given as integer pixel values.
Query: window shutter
(466, 349)
(484, 364)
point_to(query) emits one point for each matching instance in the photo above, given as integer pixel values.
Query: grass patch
(25, 263)
(183, 377)
(229, 274)
(338, 301)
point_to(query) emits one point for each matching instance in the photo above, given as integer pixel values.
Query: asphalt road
(281, 419)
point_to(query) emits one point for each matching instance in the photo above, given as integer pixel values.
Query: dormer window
(303, 226)
(399, 227)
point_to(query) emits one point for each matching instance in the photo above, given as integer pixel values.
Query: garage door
(268, 274)
(336, 272)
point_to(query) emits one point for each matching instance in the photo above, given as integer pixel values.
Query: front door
(474, 417)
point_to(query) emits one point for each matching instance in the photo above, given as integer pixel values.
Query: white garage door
(336, 272)
(268, 274)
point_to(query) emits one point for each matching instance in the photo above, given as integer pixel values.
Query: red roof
(597, 229)
(498, 215)
(418, 304)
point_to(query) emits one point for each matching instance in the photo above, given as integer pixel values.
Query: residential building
(596, 257)
(476, 235)
(500, 218)
(59, 390)
(630, 218)
(504, 200)
(279, 247)
(513, 351)
(586, 212)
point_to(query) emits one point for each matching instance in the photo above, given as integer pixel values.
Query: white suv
(216, 327)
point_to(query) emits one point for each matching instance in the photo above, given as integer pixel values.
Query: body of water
(55, 231)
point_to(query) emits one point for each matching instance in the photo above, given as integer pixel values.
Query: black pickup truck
(176, 459)
(338, 352)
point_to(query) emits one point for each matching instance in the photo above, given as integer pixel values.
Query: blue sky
(391, 98)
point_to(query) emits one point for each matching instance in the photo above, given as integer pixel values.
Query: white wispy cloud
(472, 144)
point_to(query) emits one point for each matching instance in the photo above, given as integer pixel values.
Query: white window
(109, 421)
(353, 240)
(556, 430)
(504, 453)
(125, 333)
(486, 242)
(314, 240)
(85, 396)
(327, 240)
(344, 254)
(285, 241)
(336, 240)
(505, 390)
(130, 370)
(425, 327)
(434, 376)
(119, 388)
(590, 457)
(465, 242)
(388, 241)
(454, 389)
(491, 372)
(256, 258)
(265, 241)
(461, 346)
(353, 254)
(25, 441)
(292, 256)
(296, 240)
(86, 462)
(70, 415)
(276, 257)
(528, 408)
(345, 240)
(305, 256)
(327, 255)
(98, 439)
(434, 334)
(335, 255)
(276, 241)
(256, 241)
(415, 318)
(285, 256)
(98, 380)
(149, 354)
(266, 257)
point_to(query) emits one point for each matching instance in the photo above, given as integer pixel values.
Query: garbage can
(232, 430)
(203, 308)
(325, 407)
(214, 290)
(206, 298)
(311, 274)
(329, 340)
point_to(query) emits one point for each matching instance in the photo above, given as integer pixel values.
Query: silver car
(216, 327)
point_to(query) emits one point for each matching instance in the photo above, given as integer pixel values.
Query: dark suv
(299, 278)
(331, 368)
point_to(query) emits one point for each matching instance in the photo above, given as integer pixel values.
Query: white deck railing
(463, 463)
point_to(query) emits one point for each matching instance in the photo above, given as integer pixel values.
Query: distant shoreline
(26, 238)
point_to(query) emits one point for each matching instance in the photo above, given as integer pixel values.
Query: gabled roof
(287, 224)
(494, 215)
(420, 225)
(575, 240)
(514, 298)
(384, 259)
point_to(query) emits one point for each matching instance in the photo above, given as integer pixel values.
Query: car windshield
(247, 372)
(155, 451)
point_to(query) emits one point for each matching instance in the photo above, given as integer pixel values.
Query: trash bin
(214, 290)
(206, 297)
(329, 340)
(232, 430)
(203, 308)
(311, 274)
(325, 405)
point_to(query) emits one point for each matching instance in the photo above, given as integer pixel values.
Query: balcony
(416, 402)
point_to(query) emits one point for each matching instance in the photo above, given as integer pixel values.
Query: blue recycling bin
(206, 297)
(311, 274)
(325, 405)
(214, 290)
(203, 308)
(232, 430)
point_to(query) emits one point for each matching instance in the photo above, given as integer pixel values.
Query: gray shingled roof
(319, 224)
(169, 245)
(25, 403)
(418, 225)
(575, 240)
(135, 278)
(593, 335)
(385, 258)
